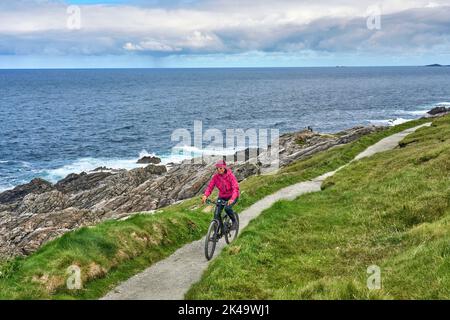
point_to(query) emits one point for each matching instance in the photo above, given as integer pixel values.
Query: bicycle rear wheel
(230, 234)
(211, 239)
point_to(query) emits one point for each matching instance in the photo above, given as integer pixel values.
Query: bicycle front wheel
(211, 239)
(231, 233)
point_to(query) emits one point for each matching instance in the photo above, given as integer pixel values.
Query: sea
(56, 122)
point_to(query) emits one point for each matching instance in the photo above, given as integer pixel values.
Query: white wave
(6, 187)
(423, 109)
(174, 157)
(409, 114)
(25, 164)
(413, 112)
(145, 153)
(196, 152)
(418, 112)
(430, 106)
(390, 122)
(442, 104)
(89, 164)
(22, 163)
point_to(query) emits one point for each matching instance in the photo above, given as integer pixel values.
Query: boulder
(149, 160)
(438, 110)
(37, 186)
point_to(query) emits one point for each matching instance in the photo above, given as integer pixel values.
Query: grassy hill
(391, 210)
(293, 232)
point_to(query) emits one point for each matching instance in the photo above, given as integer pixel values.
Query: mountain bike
(214, 233)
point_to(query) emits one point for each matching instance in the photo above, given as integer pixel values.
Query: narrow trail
(171, 278)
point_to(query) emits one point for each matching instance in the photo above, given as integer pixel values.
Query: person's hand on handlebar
(204, 199)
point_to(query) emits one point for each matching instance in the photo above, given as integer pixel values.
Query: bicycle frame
(223, 214)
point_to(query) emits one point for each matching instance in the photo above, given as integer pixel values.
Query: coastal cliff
(34, 213)
(39, 211)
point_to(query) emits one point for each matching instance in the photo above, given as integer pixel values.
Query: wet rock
(18, 193)
(438, 110)
(149, 160)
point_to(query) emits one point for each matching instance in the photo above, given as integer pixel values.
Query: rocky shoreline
(39, 211)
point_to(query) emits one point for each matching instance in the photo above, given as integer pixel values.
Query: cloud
(223, 27)
(151, 46)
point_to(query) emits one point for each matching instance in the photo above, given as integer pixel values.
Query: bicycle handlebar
(223, 202)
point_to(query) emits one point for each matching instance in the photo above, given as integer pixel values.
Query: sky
(222, 33)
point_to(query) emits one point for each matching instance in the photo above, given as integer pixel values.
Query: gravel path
(172, 277)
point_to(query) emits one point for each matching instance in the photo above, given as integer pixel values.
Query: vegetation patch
(389, 210)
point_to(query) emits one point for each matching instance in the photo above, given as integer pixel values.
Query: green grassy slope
(391, 210)
(113, 251)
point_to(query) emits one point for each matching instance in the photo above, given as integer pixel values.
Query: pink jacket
(226, 183)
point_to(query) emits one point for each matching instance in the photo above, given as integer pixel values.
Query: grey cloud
(411, 30)
(414, 30)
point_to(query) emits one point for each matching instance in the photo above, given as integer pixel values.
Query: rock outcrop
(18, 193)
(439, 110)
(149, 160)
(39, 211)
(79, 182)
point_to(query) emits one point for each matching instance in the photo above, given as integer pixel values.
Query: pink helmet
(221, 164)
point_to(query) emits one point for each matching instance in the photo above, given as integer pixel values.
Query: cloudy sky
(222, 33)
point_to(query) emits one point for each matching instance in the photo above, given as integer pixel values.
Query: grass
(115, 250)
(391, 210)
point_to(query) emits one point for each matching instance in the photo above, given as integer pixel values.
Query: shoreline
(114, 165)
(39, 211)
(35, 213)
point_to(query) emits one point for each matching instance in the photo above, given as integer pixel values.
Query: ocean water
(55, 122)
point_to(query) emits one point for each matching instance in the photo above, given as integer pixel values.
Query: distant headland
(437, 65)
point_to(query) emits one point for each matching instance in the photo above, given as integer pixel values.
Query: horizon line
(233, 67)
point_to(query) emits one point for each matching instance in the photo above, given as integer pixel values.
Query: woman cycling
(228, 187)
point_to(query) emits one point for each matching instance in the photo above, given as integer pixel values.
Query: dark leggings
(228, 210)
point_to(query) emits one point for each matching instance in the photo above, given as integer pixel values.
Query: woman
(228, 187)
